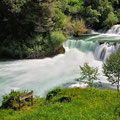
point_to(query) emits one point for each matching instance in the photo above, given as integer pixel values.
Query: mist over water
(42, 75)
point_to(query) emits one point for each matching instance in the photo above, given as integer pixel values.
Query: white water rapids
(42, 75)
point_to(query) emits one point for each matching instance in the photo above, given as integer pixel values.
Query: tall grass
(85, 104)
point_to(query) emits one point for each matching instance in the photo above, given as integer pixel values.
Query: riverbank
(31, 29)
(69, 104)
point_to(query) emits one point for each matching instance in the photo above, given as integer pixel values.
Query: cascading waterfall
(42, 75)
(114, 30)
(103, 51)
(84, 46)
(100, 52)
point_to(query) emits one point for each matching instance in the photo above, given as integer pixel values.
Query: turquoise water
(42, 75)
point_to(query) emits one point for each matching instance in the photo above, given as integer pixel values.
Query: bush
(88, 75)
(11, 100)
(64, 99)
(79, 27)
(57, 38)
(57, 95)
(53, 93)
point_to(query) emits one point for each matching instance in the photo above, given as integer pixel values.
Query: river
(42, 75)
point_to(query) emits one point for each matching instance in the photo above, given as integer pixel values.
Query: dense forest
(37, 28)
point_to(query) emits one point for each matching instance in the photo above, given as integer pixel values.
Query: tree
(93, 3)
(111, 20)
(21, 21)
(59, 20)
(111, 68)
(91, 15)
(115, 3)
(24, 18)
(88, 74)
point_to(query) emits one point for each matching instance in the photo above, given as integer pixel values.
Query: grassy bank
(70, 104)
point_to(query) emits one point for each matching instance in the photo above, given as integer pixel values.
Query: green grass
(85, 104)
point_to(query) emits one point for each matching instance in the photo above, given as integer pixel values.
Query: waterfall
(114, 30)
(100, 52)
(42, 75)
(84, 46)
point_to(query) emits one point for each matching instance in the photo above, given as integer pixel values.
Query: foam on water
(114, 30)
(42, 75)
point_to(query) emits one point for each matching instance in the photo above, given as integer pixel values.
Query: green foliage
(74, 6)
(53, 93)
(93, 3)
(85, 104)
(115, 3)
(111, 20)
(88, 74)
(118, 14)
(22, 21)
(111, 68)
(15, 5)
(62, 5)
(11, 100)
(79, 27)
(62, 99)
(91, 15)
(57, 38)
(59, 20)
(103, 10)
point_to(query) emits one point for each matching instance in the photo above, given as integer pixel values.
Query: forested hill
(37, 28)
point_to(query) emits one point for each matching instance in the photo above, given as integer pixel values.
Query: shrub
(64, 99)
(53, 93)
(57, 95)
(57, 38)
(11, 100)
(79, 27)
(88, 74)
